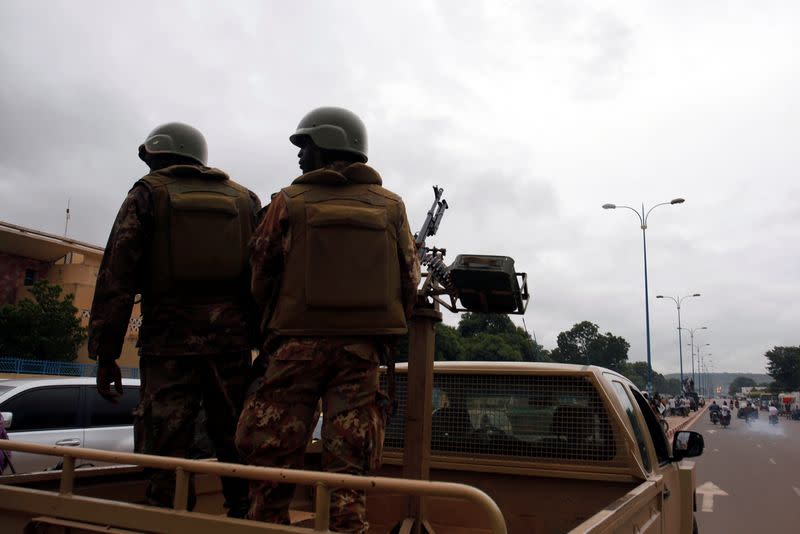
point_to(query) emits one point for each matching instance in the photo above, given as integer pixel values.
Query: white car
(67, 412)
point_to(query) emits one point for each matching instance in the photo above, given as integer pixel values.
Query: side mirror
(7, 418)
(687, 444)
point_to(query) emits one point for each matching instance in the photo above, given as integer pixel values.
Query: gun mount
(474, 282)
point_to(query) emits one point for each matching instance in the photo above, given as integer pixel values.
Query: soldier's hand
(109, 373)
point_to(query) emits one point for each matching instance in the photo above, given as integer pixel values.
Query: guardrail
(50, 367)
(66, 505)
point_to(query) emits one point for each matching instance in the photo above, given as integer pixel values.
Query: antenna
(68, 257)
(66, 222)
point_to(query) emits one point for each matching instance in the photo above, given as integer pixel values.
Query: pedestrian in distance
(180, 240)
(335, 273)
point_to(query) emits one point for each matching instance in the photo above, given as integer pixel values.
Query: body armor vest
(203, 223)
(341, 274)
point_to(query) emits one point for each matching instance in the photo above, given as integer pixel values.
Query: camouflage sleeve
(409, 263)
(119, 277)
(252, 318)
(267, 252)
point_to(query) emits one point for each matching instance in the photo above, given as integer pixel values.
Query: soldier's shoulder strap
(295, 190)
(382, 191)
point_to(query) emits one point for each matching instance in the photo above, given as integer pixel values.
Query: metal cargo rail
(65, 505)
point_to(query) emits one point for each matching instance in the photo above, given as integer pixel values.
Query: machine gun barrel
(432, 220)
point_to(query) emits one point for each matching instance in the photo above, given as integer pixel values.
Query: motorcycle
(725, 420)
(714, 417)
(773, 419)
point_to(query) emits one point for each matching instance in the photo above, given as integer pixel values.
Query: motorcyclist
(713, 412)
(773, 413)
(725, 413)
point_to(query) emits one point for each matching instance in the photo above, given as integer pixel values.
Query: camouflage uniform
(278, 417)
(195, 352)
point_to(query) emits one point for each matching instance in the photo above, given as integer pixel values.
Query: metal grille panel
(555, 418)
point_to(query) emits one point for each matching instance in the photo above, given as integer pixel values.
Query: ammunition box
(486, 284)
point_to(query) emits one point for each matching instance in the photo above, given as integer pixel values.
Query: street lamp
(677, 302)
(643, 225)
(706, 377)
(691, 332)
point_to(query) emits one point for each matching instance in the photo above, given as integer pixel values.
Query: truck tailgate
(638, 511)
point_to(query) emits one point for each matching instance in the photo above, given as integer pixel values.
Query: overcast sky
(531, 115)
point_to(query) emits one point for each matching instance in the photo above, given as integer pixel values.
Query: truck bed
(530, 504)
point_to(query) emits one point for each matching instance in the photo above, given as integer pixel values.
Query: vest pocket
(347, 257)
(205, 237)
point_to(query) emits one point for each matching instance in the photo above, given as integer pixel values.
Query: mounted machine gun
(474, 282)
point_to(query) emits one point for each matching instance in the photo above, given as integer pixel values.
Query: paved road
(758, 466)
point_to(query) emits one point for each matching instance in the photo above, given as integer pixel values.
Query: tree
(584, 344)
(449, 345)
(45, 328)
(784, 366)
(738, 383)
(481, 337)
(472, 324)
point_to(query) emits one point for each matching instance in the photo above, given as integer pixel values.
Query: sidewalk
(681, 423)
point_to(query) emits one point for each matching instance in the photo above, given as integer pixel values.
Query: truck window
(536, 417)
(653, 426)
(44, 408)
(104, 413)
(622, 395)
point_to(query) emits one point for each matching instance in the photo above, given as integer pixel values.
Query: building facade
(28, 255)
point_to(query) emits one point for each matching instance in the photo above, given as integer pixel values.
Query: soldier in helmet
(180, 240)
(335, 272)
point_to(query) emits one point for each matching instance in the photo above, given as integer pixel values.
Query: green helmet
(176, 138)
(333, 129)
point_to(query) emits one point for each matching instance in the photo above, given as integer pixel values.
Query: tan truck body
(558, 448)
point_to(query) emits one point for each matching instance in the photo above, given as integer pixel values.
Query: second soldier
(335, 272)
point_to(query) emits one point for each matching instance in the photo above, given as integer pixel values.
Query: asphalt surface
(748, 478)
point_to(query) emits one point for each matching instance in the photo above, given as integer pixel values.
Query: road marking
(708, 490)
(758, 445)
(772, 461)
(712, 431)
(796, 490)
(716, 450)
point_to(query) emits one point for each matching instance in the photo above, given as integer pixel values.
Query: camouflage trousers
(169, 422)
(277, 422)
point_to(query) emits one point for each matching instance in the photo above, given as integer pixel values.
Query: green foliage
(45, 328)
(636, 372)
(784, 366)
(583, 344)
(449, 344)
(481, 337)
(738, 383)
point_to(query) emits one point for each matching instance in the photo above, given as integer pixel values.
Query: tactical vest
(342, 273)
(203, 224)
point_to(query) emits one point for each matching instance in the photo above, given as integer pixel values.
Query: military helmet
(176, 138)
(333, 129)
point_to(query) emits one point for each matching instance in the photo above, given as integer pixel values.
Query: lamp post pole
(642, 215)
(691, 333)
(677, 301)
(706, 377)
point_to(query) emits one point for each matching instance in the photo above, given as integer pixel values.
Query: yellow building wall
(77, 275)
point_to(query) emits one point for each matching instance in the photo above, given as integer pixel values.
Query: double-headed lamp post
(643, 215)
(678, 301)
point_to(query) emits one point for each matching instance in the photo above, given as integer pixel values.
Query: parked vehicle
(67, 412)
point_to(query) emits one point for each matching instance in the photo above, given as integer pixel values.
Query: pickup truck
(514, 447)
